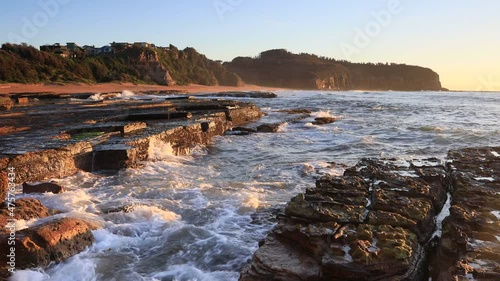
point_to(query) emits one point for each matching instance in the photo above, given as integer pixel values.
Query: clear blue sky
(459, 39)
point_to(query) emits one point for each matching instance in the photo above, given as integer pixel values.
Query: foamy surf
(193, 217)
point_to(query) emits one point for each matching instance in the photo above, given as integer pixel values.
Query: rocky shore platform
(391, 220)
(45, 136)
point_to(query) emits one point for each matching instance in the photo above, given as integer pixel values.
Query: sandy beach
(13, 88)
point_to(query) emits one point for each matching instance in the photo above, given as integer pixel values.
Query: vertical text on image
(11, 221)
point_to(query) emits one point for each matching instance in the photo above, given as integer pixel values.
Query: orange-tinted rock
(52, 241)
(4, 186)
(22, 100)
(27, 208)
(6, 103)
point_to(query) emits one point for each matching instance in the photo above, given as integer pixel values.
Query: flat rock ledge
(382, 220)
(54, 138)
(60, 136)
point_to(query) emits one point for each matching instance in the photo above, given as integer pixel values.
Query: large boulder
(53, 241)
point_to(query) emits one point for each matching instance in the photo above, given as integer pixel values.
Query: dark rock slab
(66, 136)
(373, 223)
(469, 248)
(269, 128)
(158, 116)
(251, 94)
(296, 111)
(123, 128)
(42, 187)
(324, 120)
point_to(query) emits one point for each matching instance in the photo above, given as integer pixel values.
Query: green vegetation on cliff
(169, 66)
(280, 68)
(165, 66)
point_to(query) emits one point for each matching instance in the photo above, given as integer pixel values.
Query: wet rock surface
(470, 244)
(252, 94)
(55, 241)
(383, 220)
(24, 209)
(109, 132)
(373, 223)
(269, 128)
(324, 120)
(296, 111)
(42, 187)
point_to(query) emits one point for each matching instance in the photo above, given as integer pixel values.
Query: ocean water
(200, 217)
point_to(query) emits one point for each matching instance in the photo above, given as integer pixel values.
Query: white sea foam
(322, 114)
(125, 94)
(141, 213)
(250, 202)
(406, 174)
(96, 97)
(484, 179)
(159, 150)
(191, 216)
(191, 273)
(445, 212)
(22, 224)
(495, 154)
(496, 214)
(29, 275)
(71, 200)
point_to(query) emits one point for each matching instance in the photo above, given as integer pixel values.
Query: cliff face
(280, 68)
(149, 65)
(398, 77)
(190, 67)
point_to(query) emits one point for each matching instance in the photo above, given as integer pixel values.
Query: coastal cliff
(396, 77)
(171, 66)
(280, 68)
(159, 65)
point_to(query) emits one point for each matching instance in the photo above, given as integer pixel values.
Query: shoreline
(79, 88)
(7, 89)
